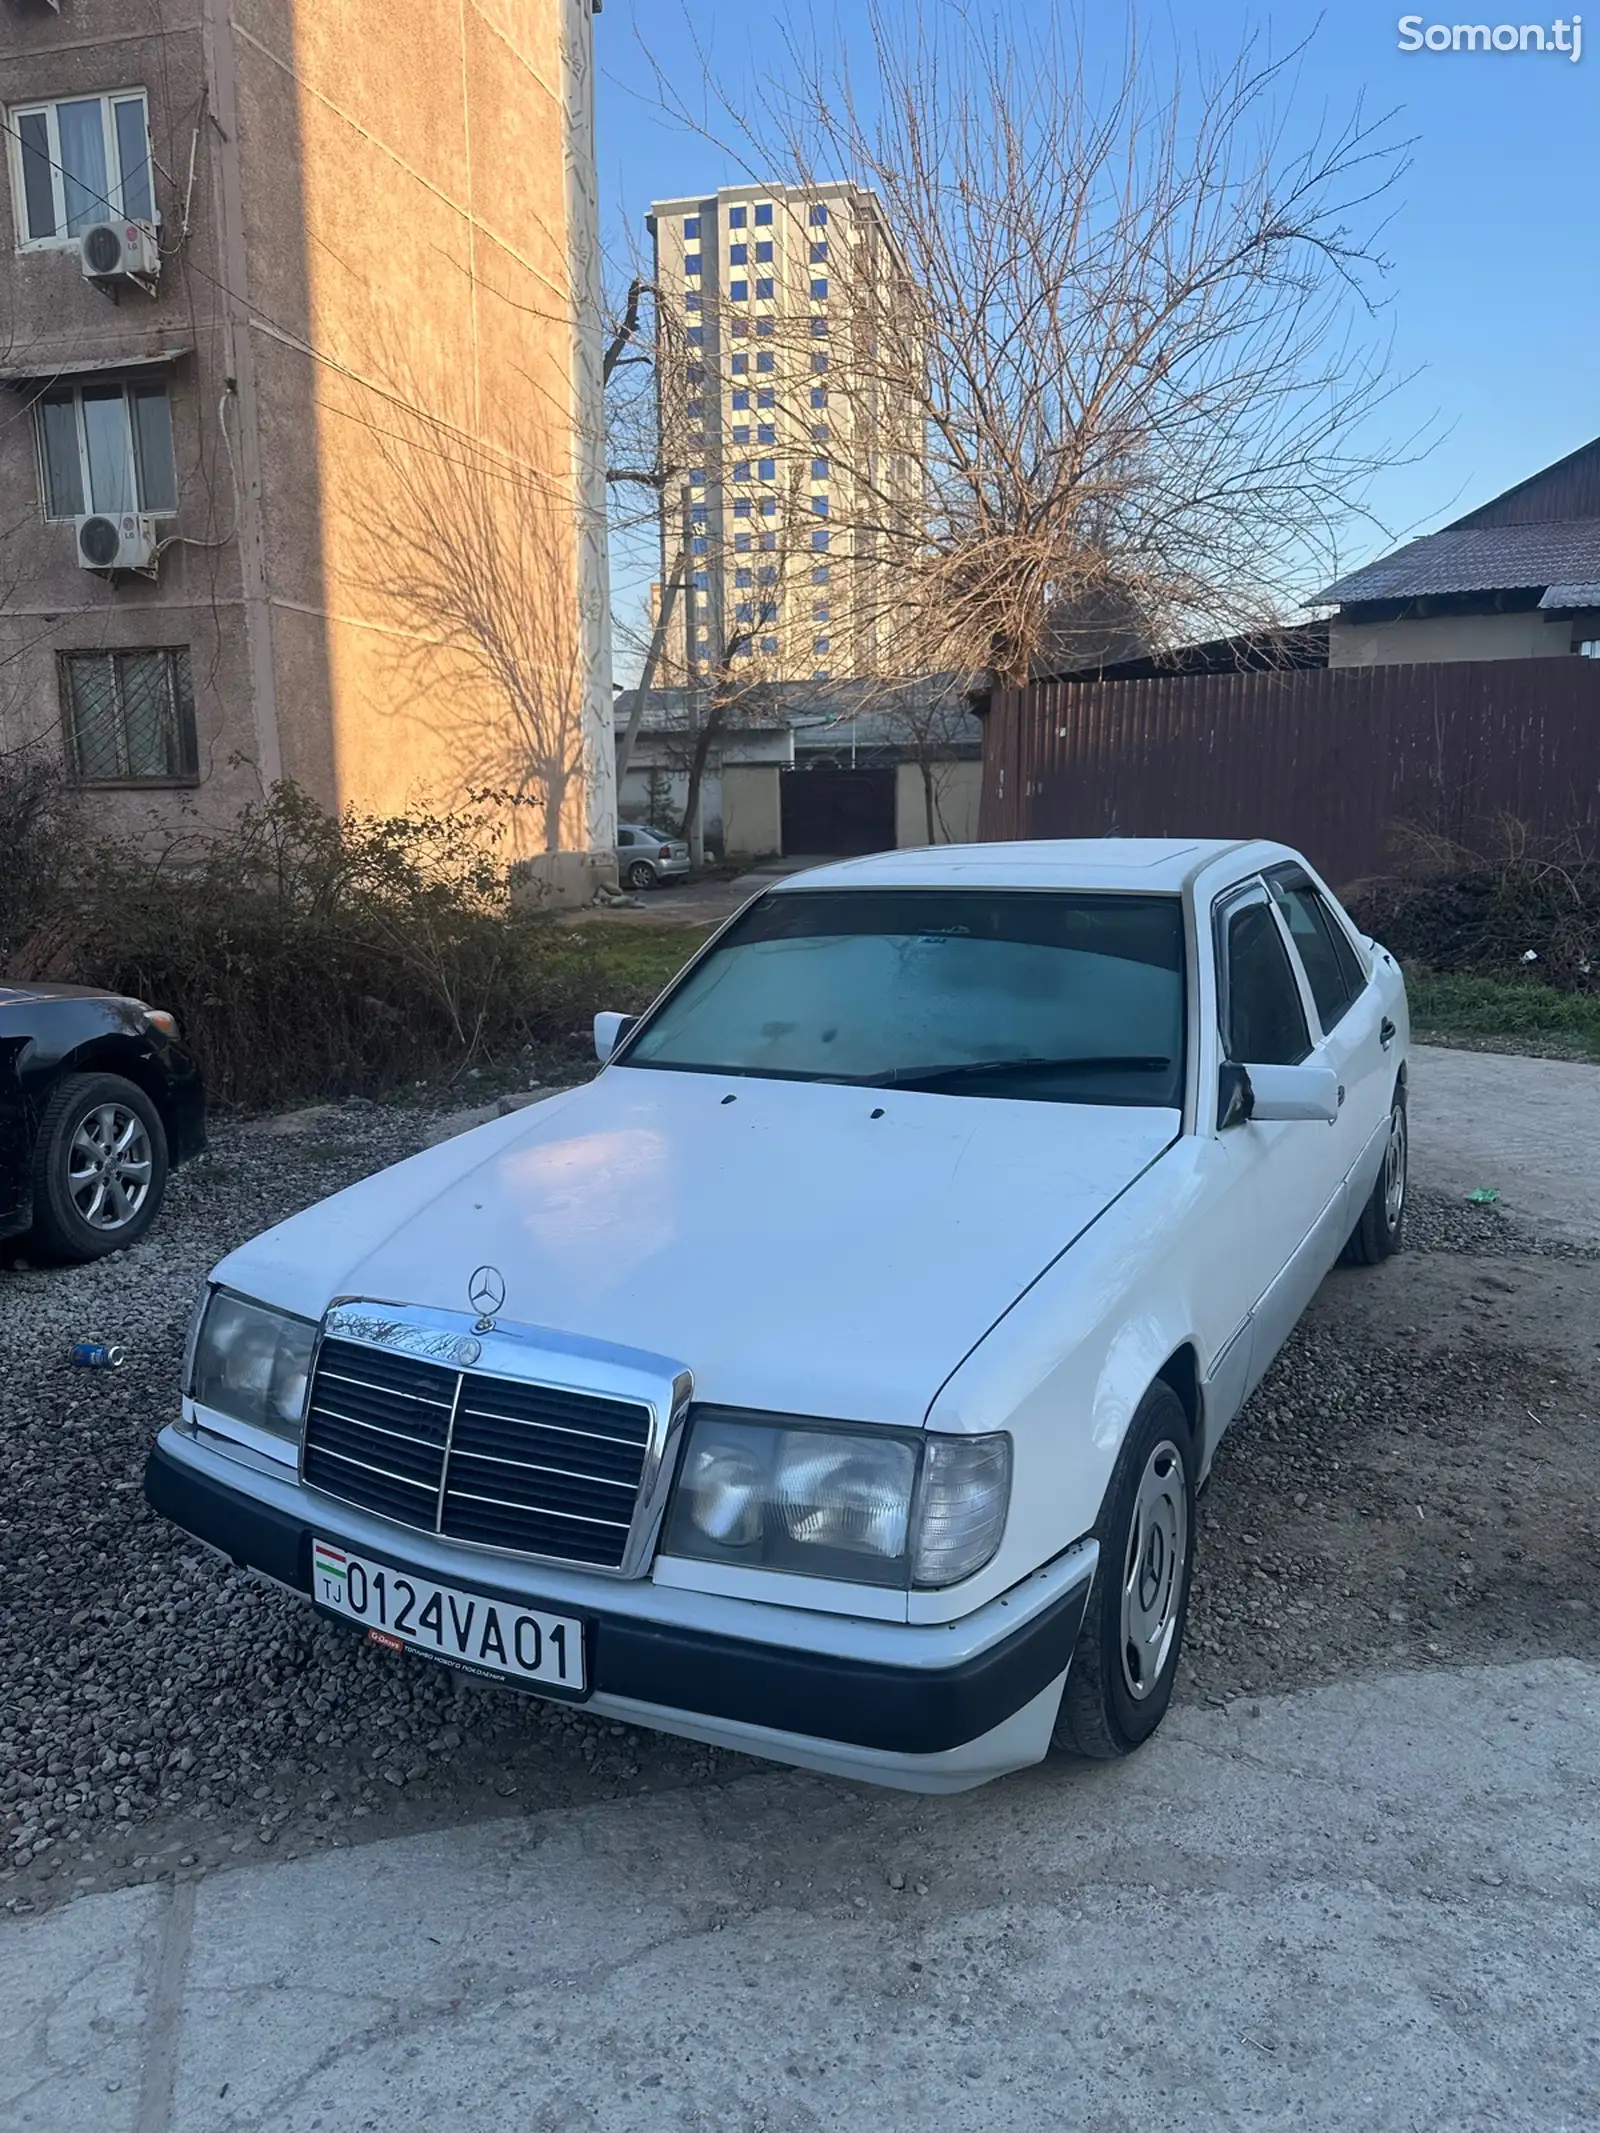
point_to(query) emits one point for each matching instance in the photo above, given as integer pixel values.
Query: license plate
(405, 1612)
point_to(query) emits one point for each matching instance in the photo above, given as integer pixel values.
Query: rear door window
(1335, 980)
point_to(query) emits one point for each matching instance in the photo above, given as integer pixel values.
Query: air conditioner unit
(115, 252)
(125, 541)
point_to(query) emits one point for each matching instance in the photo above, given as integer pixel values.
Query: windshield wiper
(978, 1069)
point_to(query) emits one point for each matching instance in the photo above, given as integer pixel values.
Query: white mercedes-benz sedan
(832, 1376)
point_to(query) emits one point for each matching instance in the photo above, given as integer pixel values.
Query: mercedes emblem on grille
(486, 1292)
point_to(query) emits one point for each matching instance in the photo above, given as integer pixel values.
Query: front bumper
(933, 1708)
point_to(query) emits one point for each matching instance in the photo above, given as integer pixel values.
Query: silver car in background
(646, 857)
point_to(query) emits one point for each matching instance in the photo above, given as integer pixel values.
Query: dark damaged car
(99, 1100)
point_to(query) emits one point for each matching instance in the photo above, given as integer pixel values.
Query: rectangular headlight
(867, 1506)
(251, 1362)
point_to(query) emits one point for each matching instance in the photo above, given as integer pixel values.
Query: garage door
(837, 813)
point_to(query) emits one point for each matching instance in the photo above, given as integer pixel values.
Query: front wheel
(99, 1167)
(1126, 1658)
(1381, 1229)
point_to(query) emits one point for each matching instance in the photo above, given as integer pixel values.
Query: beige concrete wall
(1529, 635)
(752, 814)
(412, 329)
(957, 787)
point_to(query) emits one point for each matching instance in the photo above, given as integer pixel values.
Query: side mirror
(609, 1030)
(1295, 1092)
(1236, 1099)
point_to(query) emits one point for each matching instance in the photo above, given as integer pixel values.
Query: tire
(1113, 1702)
(1381, 1230)
(96, 1130)
(641, 875)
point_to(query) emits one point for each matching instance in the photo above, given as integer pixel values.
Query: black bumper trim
(898, 1710)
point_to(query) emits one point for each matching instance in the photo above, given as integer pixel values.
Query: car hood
(799, 1246)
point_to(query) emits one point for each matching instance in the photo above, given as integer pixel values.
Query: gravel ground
(1412, 1483)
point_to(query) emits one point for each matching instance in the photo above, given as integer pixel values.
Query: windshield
(1055, 997)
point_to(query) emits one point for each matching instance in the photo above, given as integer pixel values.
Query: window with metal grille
(130, 716)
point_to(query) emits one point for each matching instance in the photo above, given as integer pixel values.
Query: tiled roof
(1581, 595)
(1481, 559)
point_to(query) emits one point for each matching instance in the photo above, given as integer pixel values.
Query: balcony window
(741, 398)
(691, 225)
(819, 215)
(766, 433)
(738, 255)
(83, 161)
(764, 285)
(736, 218)
(739, 290)
(819, 252)
(741, 363)
(766, 575)
(764, 215)
(819, 287)
(767, 469)
(106, 448)
(766, 360)
(764, 252)
(766, 396)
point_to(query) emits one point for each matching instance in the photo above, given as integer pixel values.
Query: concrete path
(1527, 1128)
(1370, 1906)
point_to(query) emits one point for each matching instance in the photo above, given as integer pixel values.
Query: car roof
(1162, 864)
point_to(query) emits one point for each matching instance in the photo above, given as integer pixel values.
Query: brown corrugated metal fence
(1329, 759)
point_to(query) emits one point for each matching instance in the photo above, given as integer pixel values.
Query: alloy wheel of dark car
(99, 1167)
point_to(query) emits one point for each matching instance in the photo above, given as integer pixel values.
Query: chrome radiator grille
(494, 1460)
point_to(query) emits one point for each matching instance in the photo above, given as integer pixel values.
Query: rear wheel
(99, 1167)
(641, 875)
(1381, 1229)
(1120, 1680)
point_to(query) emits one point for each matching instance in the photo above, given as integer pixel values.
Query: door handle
(1386, 1033)
(1341, 1096)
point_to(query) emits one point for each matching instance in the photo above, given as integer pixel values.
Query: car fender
(1064, 1370)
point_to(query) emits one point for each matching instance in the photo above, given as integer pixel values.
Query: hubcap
(1394, 1169)
(108, 1166)
(1152, 1572)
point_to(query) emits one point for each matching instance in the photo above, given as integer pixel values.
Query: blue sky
(1494, 292)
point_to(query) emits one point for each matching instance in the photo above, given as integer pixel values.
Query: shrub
(41, 847)
(1521, 918)
(306, 956)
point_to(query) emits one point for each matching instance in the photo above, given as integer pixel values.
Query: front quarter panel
(1064, 1370)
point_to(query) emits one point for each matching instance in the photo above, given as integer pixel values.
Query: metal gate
(837, 813)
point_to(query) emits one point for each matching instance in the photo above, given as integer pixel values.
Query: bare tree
(486, 631)
(1130, 338)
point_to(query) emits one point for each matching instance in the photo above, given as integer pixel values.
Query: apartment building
(797, 428)
(300, 388)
